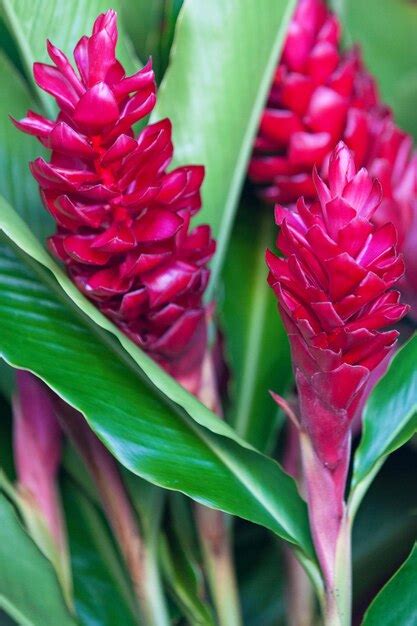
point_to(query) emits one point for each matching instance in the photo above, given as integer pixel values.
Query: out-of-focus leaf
(222, 60)
(261, 576)
(6, 446)
(32, 22)
(8, 46)
(29, 590)
(150, 436)
(182, 563)
(144, 22)
(16, 150)
(183, 584)
(396, 604)
(386, 525)
(101, 591)
(390, 415)
(256, 343)
(6, 379)
(171, 12)
(386, 30)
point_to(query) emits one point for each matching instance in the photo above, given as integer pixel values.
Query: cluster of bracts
(123, 221)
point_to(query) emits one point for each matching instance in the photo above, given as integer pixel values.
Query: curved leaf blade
(150, 436)
(390, 414)
(396, 604)
(222, 60)
(29, 590)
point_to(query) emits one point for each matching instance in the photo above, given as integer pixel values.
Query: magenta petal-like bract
(123, 221)
(37, 450)
(334, 289)
(319, 96)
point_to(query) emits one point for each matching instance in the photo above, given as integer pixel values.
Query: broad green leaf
(29, 590)
(150, 436)
(32, 22)
(101, 591)
(222, 60)
(255, 341)
(396, 604)
(390, 414)
(18, 232)
(17, 149)
(386, 30)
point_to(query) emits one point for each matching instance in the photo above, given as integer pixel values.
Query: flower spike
(334, 289)
(335, 293)
(319, 96)
(123, 221)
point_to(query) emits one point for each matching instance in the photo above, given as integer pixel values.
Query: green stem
(218, 560)
(214, 534)
(338, 610)
(139, 558)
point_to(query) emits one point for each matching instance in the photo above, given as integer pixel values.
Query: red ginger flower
(335, 297)
(318, 97)
(122, 219)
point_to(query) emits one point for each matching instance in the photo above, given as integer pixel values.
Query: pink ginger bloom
(334, 290)
(123, 221)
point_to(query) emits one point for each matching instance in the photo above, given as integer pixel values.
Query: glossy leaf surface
(149, 436)
(396, 604)
(390, 414)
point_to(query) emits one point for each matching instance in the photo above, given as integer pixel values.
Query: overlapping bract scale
(123, 221)
(334, 289)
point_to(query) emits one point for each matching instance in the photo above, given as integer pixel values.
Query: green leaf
(256, 342)
(32, 22)
(181, 559)
(222, 61)
(262, 573)
(390, 414)
(101, 592)
(386, 525)
(16, 150)
(150, 436)
(386, 30)
(396, 604)
(183, 584)
(144, 21)
(29, 590)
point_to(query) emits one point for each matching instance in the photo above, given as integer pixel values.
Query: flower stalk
(37, 455)
(140, 562)
(334, 290)
(213, 528)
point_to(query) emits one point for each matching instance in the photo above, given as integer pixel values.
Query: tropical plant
(174, 449)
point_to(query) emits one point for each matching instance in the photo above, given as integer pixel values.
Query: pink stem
(327, 511)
